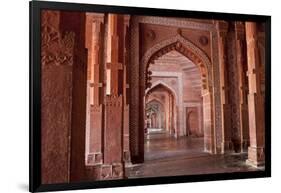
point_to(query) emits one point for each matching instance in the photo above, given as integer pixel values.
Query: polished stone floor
(167, 156)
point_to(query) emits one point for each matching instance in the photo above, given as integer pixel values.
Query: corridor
(168, 156)
(175, 95)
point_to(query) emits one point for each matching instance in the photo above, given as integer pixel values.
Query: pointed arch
(171, 114)
(186, 48)
(165, 85)
(161, 112)
(155, 100)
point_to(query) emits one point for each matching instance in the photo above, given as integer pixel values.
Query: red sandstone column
(56, 101)
(126, 148)
(225, 106)
(94, 156)
(113, 167)
(173, 115)
(242, 68)
(166, 108)
(209, 143)
(255, 98)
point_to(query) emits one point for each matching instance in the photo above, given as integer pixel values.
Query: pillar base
(209, 146)
(127, 158)
(105, 172)
(255, 156)
(244, 146)
(112, 171)
(227, 147)
(93, 173)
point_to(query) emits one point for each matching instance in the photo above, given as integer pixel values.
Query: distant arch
(165, 85)
(187, 49)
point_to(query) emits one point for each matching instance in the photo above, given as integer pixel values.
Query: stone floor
(167, 156)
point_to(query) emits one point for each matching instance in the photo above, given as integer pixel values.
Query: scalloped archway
(138, 84)
(187, 49)
(173, 115)
(202, 61)
(160, 113)
(170, 89)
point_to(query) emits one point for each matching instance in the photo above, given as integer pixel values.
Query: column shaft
(113, 167)
(255, 98)
(94, 41)
(227, 145)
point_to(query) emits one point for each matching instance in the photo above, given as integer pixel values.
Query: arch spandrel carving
(186, 48)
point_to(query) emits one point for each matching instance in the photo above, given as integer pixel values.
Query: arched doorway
(192, 123)
(194, 54)
(140, 78)
(165, 96)
(155, 116)
(176, 75)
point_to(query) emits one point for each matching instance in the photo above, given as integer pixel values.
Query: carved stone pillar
(94, 156)
(57, 58)
(208, 127)
(126, 147)
(113, 167)
(255, 98)
(242, 68)
(225, 106)
(75, 21)
(168, 117)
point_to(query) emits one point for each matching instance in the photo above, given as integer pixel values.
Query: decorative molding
(192, 104)
(175, 22)
(114, 171)
(94, 159)
(56, 49)
(95, 108)
(95, 17)
(203, 40)
(113, 100)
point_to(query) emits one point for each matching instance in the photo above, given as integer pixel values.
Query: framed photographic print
(124, 96)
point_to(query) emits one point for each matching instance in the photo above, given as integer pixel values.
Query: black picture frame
(35, 96)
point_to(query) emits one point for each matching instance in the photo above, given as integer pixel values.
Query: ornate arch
(165, 85)
(186, 48)
(156, 101)
(159, 110)
(138, 73)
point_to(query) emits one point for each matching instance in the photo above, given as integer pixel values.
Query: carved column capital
(222, 27)
(127, 20)
(95, 17)
(240, 31)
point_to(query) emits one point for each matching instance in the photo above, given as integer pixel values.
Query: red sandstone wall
(152, 34)
(75, 21)
(56, 101)
(62, 110)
